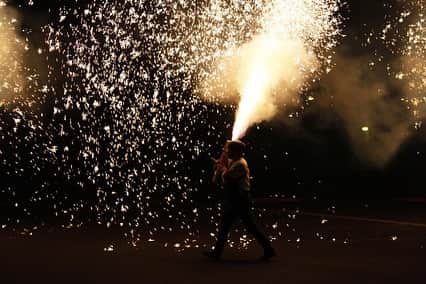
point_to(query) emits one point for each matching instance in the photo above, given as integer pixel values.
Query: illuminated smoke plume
(375, 121)
(381, 99)
(278, 59)
(12, 49)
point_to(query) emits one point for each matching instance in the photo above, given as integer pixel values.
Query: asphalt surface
(335, 242)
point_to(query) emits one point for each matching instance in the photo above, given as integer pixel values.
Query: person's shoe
(212, 254)
(268, 254)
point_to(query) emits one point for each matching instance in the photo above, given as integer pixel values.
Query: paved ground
(332, 243)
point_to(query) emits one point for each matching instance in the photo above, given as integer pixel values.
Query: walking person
(232, 170)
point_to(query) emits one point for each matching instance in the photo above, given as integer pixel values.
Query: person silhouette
(232, 172)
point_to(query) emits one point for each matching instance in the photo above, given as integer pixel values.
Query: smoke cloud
(276, 61)
(12, 50)
(370, 109)
(265, 75)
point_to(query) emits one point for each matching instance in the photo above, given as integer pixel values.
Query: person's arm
(236, 171)
(220, 166)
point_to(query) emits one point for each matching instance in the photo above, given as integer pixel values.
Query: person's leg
(228, 219)
(224, 228)
(251, 227)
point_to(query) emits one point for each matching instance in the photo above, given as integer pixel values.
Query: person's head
(235, 149)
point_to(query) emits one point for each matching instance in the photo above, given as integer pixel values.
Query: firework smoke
(379, 100)
(12, 49)
(265, 65)
(278, 60)
(375, 121)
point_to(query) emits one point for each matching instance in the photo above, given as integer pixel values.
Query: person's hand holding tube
(221, 164)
